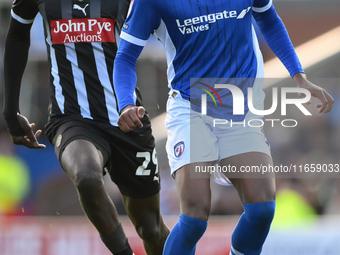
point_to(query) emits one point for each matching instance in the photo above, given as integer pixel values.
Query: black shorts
(130, 158)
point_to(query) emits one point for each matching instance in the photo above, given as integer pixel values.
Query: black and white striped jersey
(81, 39)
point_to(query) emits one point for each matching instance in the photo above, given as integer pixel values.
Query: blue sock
(184, 236)
(252, 229)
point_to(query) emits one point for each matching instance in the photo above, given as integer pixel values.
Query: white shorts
(194, 138)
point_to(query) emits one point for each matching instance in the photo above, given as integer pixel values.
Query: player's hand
(325, 98)
(130, 117)
(30, 138)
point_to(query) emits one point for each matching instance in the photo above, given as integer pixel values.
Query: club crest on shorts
(179, 149)
(57, 143)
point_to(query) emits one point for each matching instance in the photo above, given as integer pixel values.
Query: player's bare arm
(21, 131)
(130, 117)
(326, 100)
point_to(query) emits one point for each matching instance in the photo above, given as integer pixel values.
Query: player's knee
(149, 233)
(86, 172)
(87, 182)
(261, 214)
(196, 210)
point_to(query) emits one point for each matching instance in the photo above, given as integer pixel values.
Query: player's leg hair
(195, 199)
(146, 216)
(258, 198)
(83, 163)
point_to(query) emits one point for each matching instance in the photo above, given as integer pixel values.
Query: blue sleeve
(277, 38)
(140, 23)
(125, 77)
(143, 19)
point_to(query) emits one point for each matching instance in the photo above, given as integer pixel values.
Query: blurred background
(39, 209)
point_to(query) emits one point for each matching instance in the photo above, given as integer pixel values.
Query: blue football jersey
(204, 39)
(201, 38)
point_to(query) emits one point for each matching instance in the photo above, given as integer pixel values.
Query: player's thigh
(194, 190)
(82, 155)
(81, 149)
(252, 188)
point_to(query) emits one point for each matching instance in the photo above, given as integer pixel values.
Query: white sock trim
(233, 251)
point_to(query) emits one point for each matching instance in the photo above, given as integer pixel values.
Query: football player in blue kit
(209, 39)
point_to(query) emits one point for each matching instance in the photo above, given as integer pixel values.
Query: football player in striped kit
(210, 39)
(82, 37)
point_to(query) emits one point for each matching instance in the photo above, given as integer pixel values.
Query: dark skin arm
(326, 100)
(15, 59)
